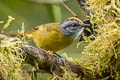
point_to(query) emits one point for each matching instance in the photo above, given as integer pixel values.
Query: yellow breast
(49, 37)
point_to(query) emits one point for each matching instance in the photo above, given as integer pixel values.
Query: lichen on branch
(102, 55)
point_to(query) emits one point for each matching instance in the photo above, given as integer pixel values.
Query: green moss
(10, 18)
(101, 55)
(11, 56)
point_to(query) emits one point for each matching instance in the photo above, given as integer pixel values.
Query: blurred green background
(36, 12)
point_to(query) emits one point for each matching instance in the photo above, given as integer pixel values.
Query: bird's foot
(53, 54)
(50, 52)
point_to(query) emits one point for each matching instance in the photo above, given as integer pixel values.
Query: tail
(15, 33)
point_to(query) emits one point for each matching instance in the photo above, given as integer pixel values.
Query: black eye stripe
(70, 27)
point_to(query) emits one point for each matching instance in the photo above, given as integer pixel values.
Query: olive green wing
(48, 27)
(41, 33)
(43, 29)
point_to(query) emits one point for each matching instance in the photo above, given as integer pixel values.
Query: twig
(74, 14)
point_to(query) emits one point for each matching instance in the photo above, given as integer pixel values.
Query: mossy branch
(53, 64)
(42, 60)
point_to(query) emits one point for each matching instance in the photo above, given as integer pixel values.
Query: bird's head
(73, 27)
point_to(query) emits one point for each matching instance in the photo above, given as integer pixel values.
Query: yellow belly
(52, 41)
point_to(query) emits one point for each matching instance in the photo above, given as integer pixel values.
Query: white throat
(76, 35)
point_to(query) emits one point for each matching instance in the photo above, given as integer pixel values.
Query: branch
(41, 59)
(53, 64)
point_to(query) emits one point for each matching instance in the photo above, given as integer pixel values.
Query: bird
(57, 36)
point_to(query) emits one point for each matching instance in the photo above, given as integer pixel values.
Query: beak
(85, 25)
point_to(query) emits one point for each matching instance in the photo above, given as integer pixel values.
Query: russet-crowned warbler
(57, 36)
